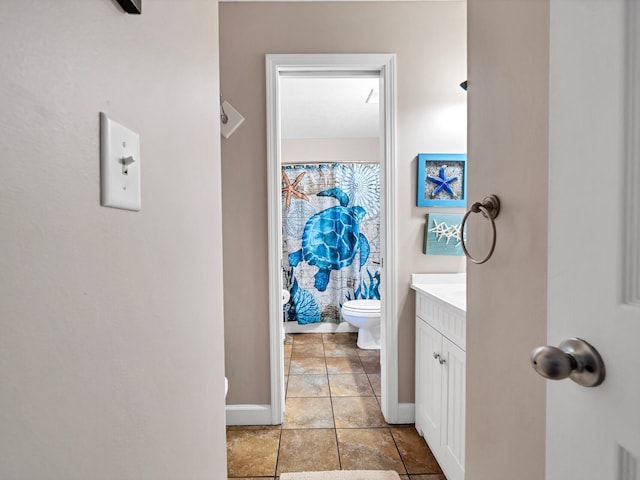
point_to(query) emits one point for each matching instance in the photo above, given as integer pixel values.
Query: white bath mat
(343, 475)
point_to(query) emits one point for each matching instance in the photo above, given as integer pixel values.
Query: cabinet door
(453, 417)
(428, 382)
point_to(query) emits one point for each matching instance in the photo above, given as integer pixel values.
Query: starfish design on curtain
(290, 189)
(442, 182)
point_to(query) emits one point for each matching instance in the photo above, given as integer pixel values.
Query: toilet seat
(362, 308)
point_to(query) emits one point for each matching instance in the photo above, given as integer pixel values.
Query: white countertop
(448, 287)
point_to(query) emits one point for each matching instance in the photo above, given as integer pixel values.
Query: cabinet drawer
(444, 317)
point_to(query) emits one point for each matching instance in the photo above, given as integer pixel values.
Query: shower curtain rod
(330, 163)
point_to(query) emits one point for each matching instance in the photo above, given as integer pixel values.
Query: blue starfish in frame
(442, 182)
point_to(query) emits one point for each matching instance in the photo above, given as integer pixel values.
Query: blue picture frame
(442, 232)
(442, 180)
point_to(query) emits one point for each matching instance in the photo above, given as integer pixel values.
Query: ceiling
(328, 107)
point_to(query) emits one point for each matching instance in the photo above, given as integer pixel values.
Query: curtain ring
(490, 207)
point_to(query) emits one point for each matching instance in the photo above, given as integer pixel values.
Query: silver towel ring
(490, 208)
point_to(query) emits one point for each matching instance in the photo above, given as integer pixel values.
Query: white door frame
(384, 65)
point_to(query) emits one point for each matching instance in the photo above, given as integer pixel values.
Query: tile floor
(332, 419)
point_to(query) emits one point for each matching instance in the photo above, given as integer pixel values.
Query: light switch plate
(119, 165)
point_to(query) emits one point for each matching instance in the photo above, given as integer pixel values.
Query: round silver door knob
(573, 358)
(552, 363)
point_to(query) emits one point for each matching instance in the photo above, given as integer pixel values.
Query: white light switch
(119, 165)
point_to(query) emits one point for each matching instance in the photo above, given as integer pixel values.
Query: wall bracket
(131, 6)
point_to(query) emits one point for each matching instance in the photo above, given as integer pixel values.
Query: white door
(594, 240)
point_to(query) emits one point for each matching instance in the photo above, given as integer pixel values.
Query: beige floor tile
(287, 364)
(370, 364)
(308, 386)
(307, 350)
(340, 350)
(368, 449)
(308, 413)
(307, 366)
(308, 450)
(350, 385)
(414, 451)
(376, 383)
(342, 337)
(357, 412)
(299, 338)
(337, 365)
(252, 452)
(288, 348)
(368, 353)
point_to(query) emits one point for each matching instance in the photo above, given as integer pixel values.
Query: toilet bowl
(365, 315)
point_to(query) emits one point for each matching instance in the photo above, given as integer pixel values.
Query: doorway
(382, 67)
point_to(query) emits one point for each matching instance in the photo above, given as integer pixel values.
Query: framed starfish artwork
(442, 180)
(442, 234)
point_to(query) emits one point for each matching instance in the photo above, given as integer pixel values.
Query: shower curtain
(331, 238)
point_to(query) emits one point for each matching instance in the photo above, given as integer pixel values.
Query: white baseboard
(321, 327)
(406, 412)
(248, 414)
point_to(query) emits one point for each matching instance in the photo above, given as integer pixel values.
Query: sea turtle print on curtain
(331, 238)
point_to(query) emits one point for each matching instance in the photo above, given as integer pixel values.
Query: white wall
(429, 39)
(328, 150)
(111, 351)
(507, 296)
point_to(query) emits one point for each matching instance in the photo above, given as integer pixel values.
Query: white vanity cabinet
(440, 374)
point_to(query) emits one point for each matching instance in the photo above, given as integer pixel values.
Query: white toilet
(364, 314)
